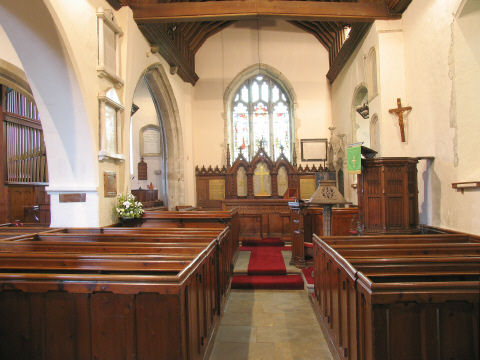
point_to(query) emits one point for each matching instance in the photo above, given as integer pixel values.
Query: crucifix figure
(399, 111)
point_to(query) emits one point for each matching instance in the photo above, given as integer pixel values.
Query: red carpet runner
(266, 261)
(266, 270)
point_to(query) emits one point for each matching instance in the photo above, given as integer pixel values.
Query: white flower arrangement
(128, 208)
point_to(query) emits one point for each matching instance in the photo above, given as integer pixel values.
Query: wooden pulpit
(388, 196)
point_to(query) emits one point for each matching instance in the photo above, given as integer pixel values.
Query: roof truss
(178, 28)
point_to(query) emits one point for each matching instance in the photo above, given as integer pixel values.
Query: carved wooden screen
(258, 179)
(25, 147)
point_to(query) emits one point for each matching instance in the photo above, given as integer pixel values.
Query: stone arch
(242, 76)
(69, 139)
(360, 126)
(169, 118)
(15, 78)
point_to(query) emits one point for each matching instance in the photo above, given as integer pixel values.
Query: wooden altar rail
(260, 218)
(403, 304)
(107, 300)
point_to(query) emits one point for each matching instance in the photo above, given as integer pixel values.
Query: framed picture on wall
(313, 149)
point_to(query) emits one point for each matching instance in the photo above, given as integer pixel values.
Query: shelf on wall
(461, 186)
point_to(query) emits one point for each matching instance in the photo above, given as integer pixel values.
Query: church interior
(303, 178)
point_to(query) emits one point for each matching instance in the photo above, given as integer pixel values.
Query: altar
(260, 189)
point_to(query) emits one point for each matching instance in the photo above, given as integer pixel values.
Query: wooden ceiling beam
(167, 48)
(244, 9)
(356, 35)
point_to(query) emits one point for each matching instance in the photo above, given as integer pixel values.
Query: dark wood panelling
(305, 222)
(399, 306)
(388, 195)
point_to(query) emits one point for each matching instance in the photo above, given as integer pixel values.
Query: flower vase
(131, 222)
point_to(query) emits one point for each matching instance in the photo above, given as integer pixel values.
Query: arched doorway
(156, 132)
(147, 149)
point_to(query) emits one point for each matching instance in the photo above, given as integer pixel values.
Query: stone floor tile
(236, 333)
(241, 266)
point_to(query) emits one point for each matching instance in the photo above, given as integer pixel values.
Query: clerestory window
(261, 112)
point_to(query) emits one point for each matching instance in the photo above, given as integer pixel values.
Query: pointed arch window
(261, 110)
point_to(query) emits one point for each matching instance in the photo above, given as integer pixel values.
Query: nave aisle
(269, 325)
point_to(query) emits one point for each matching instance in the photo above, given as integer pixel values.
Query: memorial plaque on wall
(216, 189)
(110, 184)
(150, 141)
(307, 188)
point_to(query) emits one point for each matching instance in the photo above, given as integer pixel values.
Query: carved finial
(261, 143)
(228, 156)
(281, 149)
(240, 149)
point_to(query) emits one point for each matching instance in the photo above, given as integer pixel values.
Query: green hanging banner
(354, 159)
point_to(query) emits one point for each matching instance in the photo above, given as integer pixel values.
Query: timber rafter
(178, 28)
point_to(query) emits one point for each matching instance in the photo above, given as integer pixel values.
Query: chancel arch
(259, 105)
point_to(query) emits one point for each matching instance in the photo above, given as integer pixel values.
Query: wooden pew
(98, 305)
(13, 231)
(225, 240)
(174, 238)
(196, 219)
(374, 305)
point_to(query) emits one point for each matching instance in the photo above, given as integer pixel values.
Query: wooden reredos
(215, 184)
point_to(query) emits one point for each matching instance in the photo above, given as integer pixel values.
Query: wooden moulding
(397, 306)
(78, 197)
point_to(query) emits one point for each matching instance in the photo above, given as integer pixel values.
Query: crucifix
(399, 112)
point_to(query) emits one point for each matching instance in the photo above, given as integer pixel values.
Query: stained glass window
(261, 112)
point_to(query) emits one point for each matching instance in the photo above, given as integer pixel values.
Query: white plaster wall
(38, 40)
(137, 58)
(430, 60)
(343, 89)
(296, 54)
(8, 53)
(76, 169)
(441, 72)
